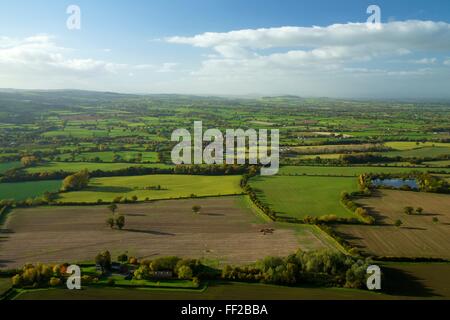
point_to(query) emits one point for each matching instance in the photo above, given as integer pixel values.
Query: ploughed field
(226, 231)
(419, 236)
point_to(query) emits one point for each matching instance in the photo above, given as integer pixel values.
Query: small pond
(396, 183)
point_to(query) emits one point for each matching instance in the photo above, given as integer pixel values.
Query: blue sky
(250, 47)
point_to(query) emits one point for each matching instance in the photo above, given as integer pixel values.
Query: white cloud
(425, 61)
(339, 55)
(333, 44)
(40, 53)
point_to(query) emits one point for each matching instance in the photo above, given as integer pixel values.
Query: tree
(419, 210)
(103, 259)
(54, 282)
(77, 181)
(122, 257)
(110, 222)
(17, 281)
(120, 222)
(113, 207)
(408, 210)
(29, 161)
(398, 223)
(196, 209)
(185, 272)
(435, 220)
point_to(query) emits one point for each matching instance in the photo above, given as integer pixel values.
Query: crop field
(419, 153)
(348, 171)
(334, 148)
(419, 236)
(226, 230)
(25, 190)
(303, 196)
(410, 145)
(73, 167)
(171, 186)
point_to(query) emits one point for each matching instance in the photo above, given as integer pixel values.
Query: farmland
(110, 156)
(8, 165)
(303, 196)
(24, 190)
(419, 236)
(73, 167)
(124, 143)
(227, 230)
(352, 171)
(154, 187)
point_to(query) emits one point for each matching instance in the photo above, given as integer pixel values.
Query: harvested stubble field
(419, 236)
(226, 230)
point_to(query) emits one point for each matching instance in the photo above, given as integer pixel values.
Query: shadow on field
(377, 215)
(6, 231)
(213, 214)
(152, 232)
(109, 189)
(402, 283)
(135, 215)
(413, 228)
(4, 263)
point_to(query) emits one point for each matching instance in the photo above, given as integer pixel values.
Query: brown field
(419, 236)
(227, 230)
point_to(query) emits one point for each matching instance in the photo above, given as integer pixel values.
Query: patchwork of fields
(112, 132)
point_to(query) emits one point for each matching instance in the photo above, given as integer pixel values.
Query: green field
(304, 196)
(346, 171)
(228, 291)
(25, 190)
(90, 166)
(8, 165)
(444, 163)
(108, 156)
(172, 186)
(418, 153)
(409, 145)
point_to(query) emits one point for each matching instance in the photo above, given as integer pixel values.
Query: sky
(229, 47)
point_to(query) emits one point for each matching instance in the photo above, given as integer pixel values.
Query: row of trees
(17, 175)
(40, 275)
(75, 182)
(325, 267)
